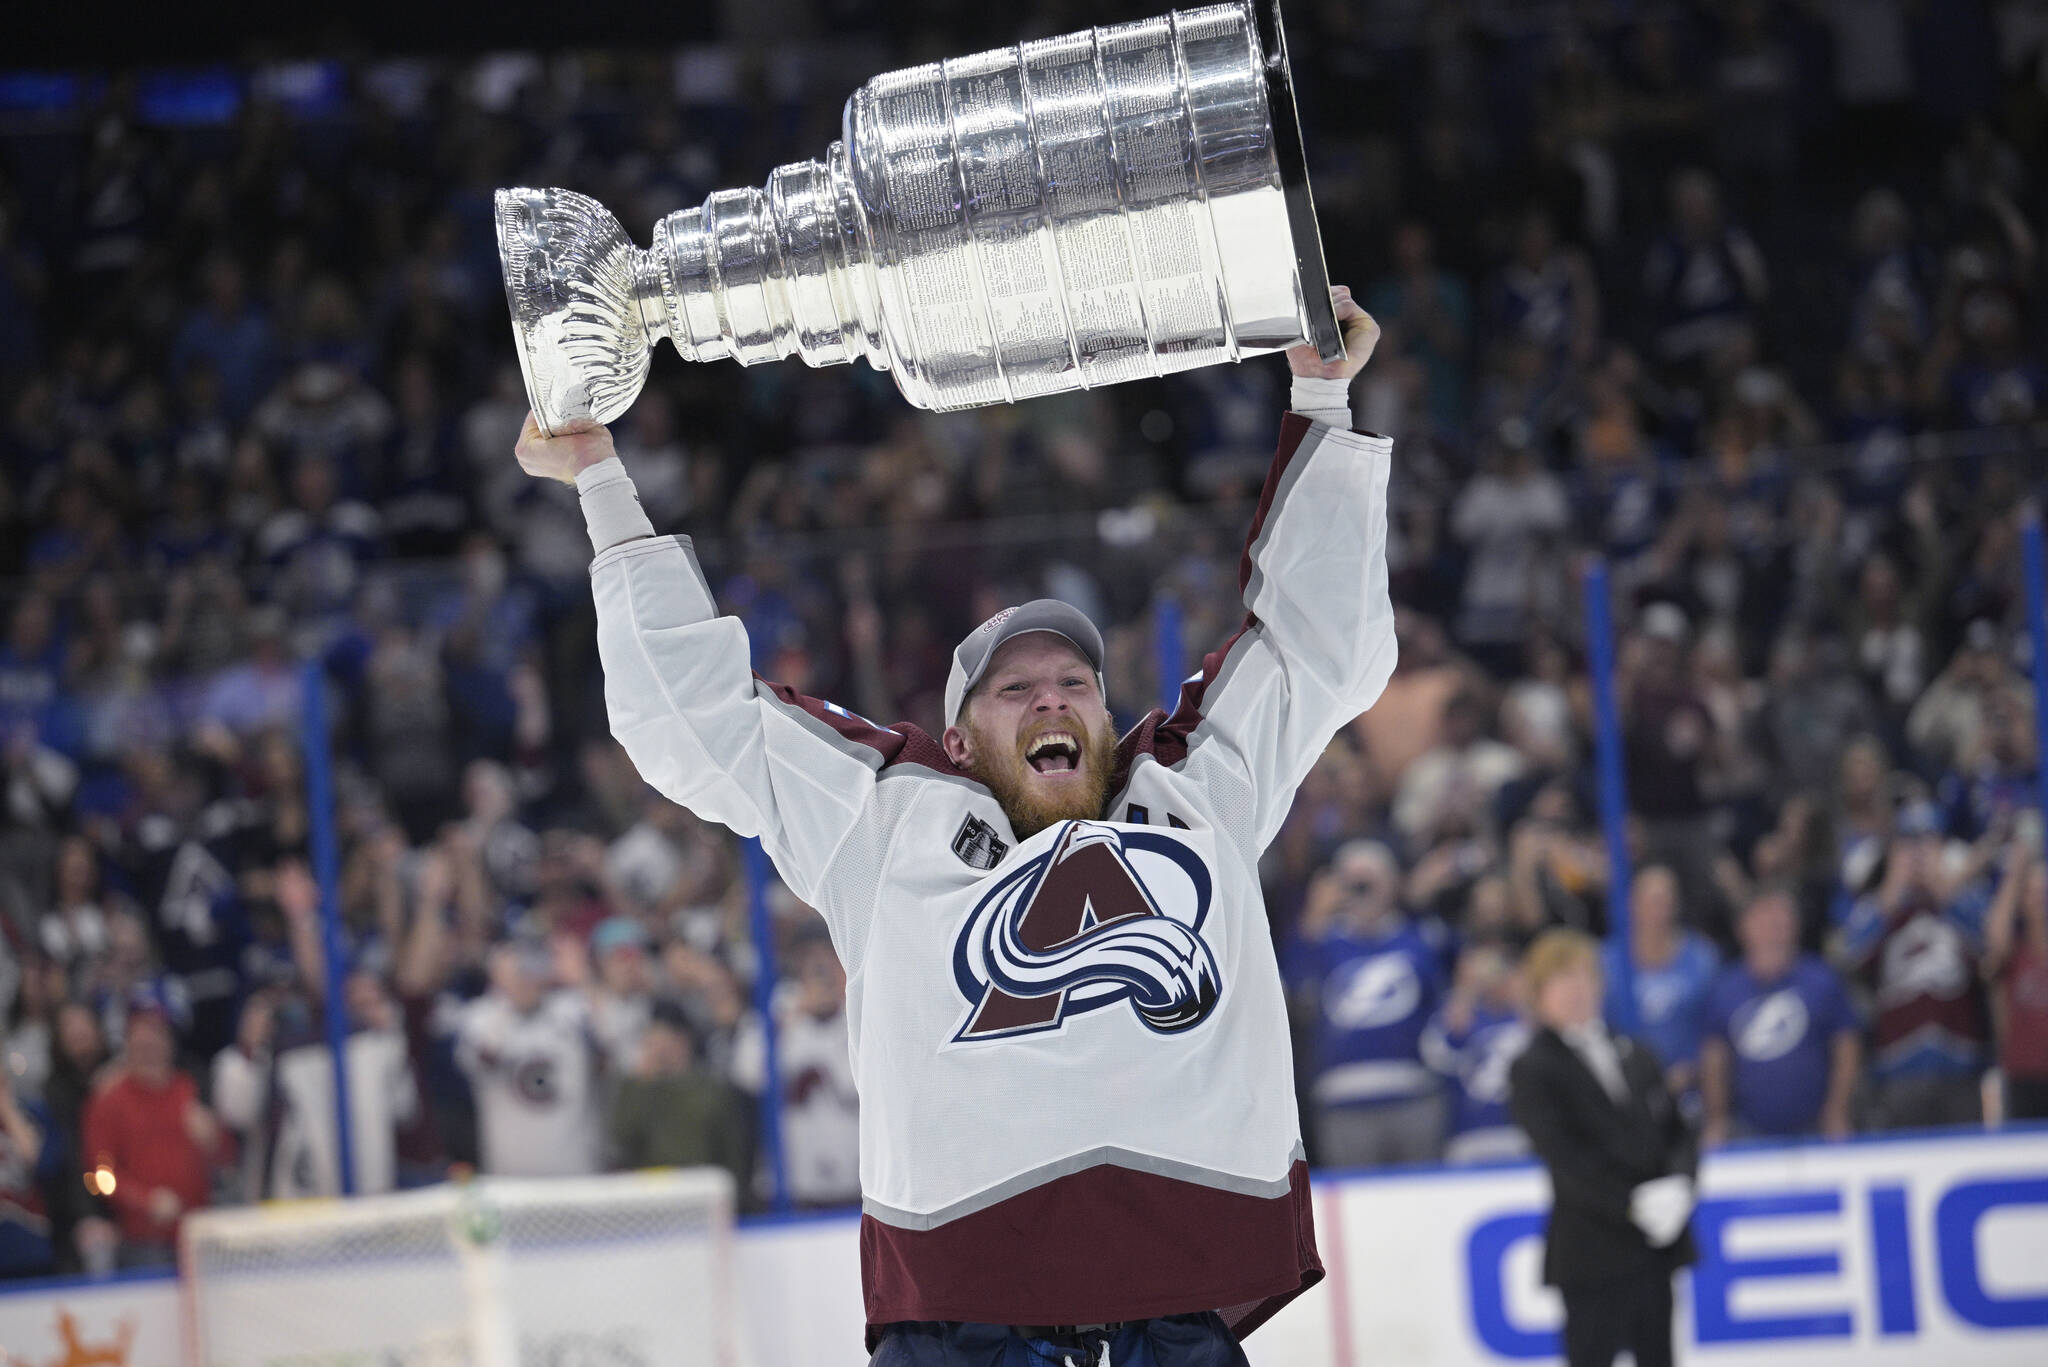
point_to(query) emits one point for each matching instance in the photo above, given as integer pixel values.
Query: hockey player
(1069, 1035)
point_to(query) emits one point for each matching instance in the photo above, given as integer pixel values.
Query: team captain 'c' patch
(1105, 916)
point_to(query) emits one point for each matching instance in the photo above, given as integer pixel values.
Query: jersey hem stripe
(1107, 1155)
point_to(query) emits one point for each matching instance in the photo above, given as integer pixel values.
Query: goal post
(630, 1270)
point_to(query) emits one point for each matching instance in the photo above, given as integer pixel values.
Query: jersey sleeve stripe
(880, 747)
(850, 736)
(1168, 739)
(1294, 429)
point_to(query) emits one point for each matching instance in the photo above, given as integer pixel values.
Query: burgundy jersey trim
(1099, 1246)
(898, 744)
(1170, 745)
(1166, 738)
(1293, 428)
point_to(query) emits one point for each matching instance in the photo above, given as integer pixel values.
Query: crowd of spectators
(1743, 296)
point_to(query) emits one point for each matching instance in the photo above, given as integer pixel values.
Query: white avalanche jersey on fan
(535, 1079)
(820, 1109)
(1072, 1052)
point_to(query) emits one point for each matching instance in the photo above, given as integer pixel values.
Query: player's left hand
(564, 455)
(1361, 335)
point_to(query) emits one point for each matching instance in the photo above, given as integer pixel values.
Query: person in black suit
(1622, 1161)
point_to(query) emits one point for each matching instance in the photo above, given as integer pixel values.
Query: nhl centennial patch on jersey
(1105, 916)
(978, 845)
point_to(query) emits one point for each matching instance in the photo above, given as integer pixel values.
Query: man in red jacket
(149, 1143)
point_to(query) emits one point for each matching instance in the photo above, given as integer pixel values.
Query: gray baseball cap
(972, 656)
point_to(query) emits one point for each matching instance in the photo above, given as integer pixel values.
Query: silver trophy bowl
(1066, 213)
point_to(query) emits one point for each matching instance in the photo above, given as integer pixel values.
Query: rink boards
(1883, 1251)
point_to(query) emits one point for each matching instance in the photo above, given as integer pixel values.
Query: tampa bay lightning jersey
(1475, 1056)
(1071, 1049)
(1373, 995)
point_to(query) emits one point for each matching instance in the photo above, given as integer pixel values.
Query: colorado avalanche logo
(1105, 916)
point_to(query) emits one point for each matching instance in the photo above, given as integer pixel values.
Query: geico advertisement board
(1929, 1251)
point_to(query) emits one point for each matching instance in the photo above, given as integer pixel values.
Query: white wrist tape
(611, 506)
(1325, 401)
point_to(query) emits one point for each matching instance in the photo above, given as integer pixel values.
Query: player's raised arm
(1318, 638)
(680, 691)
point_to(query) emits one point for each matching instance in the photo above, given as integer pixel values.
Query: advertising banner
(1922, 1251)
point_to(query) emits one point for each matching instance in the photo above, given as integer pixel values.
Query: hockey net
(633, 1270)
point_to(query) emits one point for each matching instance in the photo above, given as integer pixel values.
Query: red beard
(1029, 806)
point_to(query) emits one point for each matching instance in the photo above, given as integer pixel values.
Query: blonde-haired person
(1621, 1158)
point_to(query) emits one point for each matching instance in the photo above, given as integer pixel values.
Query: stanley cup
(1066, 213)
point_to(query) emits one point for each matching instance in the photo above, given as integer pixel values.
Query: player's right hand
(1361, 335)
(566, 454)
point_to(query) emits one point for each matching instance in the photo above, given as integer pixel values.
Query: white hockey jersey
(535, 1078)
(1072, 1051)
(820, 1109)
(299, 1157)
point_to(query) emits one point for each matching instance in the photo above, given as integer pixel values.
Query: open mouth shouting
(1054, 752)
